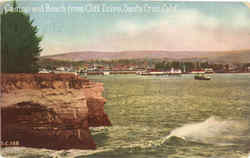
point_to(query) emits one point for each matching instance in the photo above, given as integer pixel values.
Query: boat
(209, 70)
(175, 72)
(151, 73)
(201, 77)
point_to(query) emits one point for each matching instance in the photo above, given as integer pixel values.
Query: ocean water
(167, 117)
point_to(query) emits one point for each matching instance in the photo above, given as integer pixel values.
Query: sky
(84, 25)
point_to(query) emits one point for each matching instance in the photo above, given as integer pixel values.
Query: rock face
(51, 111)
(95, 103)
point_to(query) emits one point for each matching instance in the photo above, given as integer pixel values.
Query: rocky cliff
(95, 103)
(51, 111)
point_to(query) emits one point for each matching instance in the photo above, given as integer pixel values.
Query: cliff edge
(51, 111)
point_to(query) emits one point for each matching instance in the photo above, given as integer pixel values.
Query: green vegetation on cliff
(19, 42)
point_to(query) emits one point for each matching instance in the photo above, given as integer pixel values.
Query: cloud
(184, 30)
(240, 20)
(189, 30)
(128, 27)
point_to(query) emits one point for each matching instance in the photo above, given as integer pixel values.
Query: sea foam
(213, 131)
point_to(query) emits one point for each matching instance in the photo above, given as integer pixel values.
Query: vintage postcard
(125, 79)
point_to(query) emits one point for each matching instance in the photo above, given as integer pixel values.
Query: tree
(19, 42)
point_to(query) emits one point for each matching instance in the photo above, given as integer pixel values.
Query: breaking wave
(213, 131)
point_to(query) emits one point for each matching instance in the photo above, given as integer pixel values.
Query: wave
(213, 131)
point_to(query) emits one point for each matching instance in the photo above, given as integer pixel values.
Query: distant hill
(220, 56)
(232, 57)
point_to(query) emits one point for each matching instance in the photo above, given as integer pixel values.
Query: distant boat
(206, 70)
(175, 72)
(153, 73)
(209, 70)
(106, 73)
(201, 77)
(198, 72)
